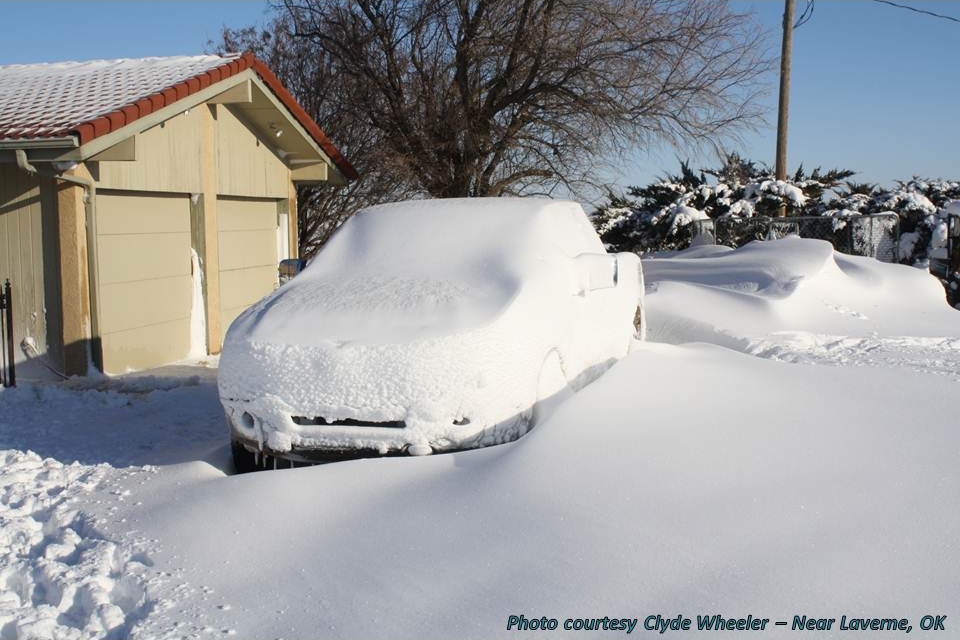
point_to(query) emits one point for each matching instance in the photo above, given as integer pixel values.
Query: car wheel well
(639, 323)
(552, 386)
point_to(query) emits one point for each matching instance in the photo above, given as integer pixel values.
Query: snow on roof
(90, 99)
(51, 99)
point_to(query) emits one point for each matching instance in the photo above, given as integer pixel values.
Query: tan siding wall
(133, 305)
(245, 166)
(248, 254)
(145, 279)
(168, 159)
(245, 249)
(138, 348)
(22, 255)
(143, 256)
(240, 288)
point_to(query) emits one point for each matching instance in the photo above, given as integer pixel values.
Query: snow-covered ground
(785, 445)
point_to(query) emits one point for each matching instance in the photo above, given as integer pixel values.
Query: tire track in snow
(938, 356)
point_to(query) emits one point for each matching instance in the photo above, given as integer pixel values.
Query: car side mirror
(290, 267)
(595, 271)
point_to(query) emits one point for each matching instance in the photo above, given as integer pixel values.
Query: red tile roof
(91, 99)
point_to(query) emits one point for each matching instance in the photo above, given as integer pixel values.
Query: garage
(139, 223)
(248, 254)
(145, 279)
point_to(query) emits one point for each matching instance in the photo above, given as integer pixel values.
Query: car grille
(348, 422)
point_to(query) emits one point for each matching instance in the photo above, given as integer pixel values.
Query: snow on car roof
(414, 269)
(411, 236)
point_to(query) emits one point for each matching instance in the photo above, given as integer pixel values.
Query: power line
(923, 11)
(805, 15)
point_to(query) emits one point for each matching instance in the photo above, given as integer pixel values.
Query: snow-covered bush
(659, 216)
(922, 207)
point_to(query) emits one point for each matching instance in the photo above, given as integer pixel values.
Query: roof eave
(62, 142)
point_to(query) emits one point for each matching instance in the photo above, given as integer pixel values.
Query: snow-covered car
(430, 325)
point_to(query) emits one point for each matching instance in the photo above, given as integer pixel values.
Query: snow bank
(746, 298)
(686, 479)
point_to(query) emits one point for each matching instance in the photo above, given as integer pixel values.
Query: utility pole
(786, 51)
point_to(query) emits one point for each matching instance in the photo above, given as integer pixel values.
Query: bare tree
(313, 77)
(493, 97)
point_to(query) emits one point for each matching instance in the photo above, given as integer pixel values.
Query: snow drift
(685, 480)
(789, 291)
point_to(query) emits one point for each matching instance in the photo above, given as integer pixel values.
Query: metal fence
(8, 375)
(945, 264)
(876, 236)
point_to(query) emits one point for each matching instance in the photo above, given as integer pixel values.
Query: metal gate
(8, 375)
(876, 235)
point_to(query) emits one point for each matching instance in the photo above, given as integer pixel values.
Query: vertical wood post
(293, 221)
(783, 112)
(211, 237)
(74, 275)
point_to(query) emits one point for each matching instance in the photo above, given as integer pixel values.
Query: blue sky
(875, 88)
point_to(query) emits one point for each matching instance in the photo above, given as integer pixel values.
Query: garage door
(248, 254)
(143, 244)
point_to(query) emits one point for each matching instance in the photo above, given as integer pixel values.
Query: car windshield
(425, 268)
